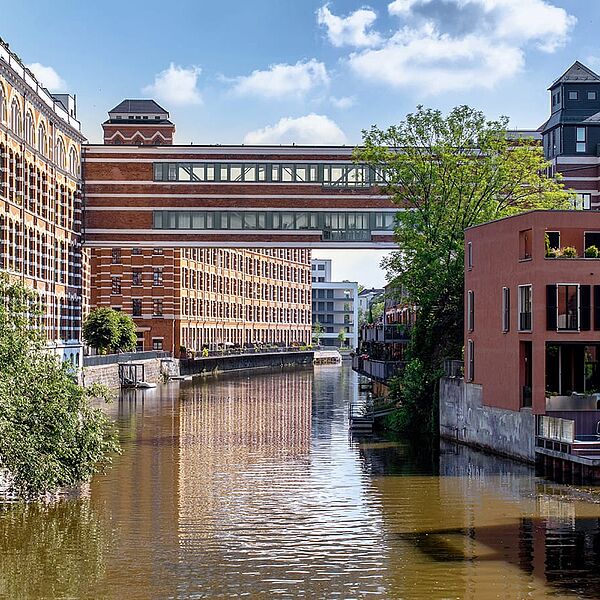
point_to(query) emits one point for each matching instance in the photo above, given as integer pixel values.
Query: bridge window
(335, 225)
(334, 174)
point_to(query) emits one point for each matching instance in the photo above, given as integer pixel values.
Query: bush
(569, 252)
(50, 435)
(592, 252)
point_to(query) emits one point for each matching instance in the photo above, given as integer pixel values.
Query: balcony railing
(381, 370)
(385, 334)
(346, 235)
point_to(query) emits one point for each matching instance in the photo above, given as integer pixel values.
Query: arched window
(29, 129)
(2, 105)
(15, 117)
(59, 153)
(73, 162)
(42, 142)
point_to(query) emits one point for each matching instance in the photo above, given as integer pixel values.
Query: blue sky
(304, 71)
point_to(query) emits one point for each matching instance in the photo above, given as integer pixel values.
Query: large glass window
(567, 307)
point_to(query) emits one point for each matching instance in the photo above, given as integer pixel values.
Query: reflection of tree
(52, 550)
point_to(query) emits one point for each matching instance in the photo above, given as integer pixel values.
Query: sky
(303, 71)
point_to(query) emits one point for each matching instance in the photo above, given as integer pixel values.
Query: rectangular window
(582, 202)
(470, 311)
(157, 276)
(136, 277)
(157, 251)
(573, 95)
(116, 256)
(137, 307)
(553, 239)
(567, 307)
(591, 238)
(136, 252)
(581, 139)
(525, 243)
(157, 343)
(469, 255)
(525, 317)
(116, 285)
(505, 309)
(157, 307)
(591, 95)
(470, 360)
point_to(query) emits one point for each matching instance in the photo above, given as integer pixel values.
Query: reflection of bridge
(244, 196)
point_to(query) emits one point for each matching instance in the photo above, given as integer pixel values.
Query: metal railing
(110, 359)
(454, 368)
(381, 370)
(239, 351)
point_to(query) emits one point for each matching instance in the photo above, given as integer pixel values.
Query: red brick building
(187, 294)
(532, 321)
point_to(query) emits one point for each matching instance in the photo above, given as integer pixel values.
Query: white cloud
(282, 80)
(343, 102)
(353, 30)
(447, 45)
(309, 129)
(176, 85)
(436, 63)
(48, 77)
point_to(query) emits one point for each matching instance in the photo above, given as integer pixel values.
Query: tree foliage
(317, 332)
(50, 435)
(449, 173)
(107, 330)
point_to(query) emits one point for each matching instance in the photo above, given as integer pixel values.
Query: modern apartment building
(334, 307)
(40, 199)
(532, 337)
(188, 297)
(366, 297)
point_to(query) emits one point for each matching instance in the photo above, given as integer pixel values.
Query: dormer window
(573, 95)
(591, 95)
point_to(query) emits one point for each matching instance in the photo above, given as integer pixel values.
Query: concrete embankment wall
(464, 418)
(240, 362)
(109, 374)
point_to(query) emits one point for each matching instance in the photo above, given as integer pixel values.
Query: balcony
(380, 370)
(385, 333)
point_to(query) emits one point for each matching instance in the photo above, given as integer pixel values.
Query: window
(136, 252)
(567, 307)
(157, 276)
(136, 277)
(116, 256)
(525, 242)
(469, 255)
(116, 285)
(42, 142)
(591, 95)
(15, 118)
(582, 201)
(321, 267)
(525, 320)
(137, 307)
(59, 155)
(157, 251)
(157, 343)
(29, 129)
(581, 139)
(573, 95)
(157, 307)
(470, 360)
(505, 309)
(470, 311)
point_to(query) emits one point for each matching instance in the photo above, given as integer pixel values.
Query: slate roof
(147, 107)
(576, 73)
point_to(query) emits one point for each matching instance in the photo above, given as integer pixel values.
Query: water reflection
(251, 486)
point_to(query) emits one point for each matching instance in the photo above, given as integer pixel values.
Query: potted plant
(592, 252)
(569, 252)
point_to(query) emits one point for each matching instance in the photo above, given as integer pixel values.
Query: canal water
(251, 486)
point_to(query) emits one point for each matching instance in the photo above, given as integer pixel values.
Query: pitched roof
(577, 73)
(138, 106)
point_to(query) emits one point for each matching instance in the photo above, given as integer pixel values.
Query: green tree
(106, 330)
(451, 172)
(50, 435)
(317, 332)
(127, 335)
(342, 337)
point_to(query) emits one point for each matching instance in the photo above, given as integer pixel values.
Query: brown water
(251, 487)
